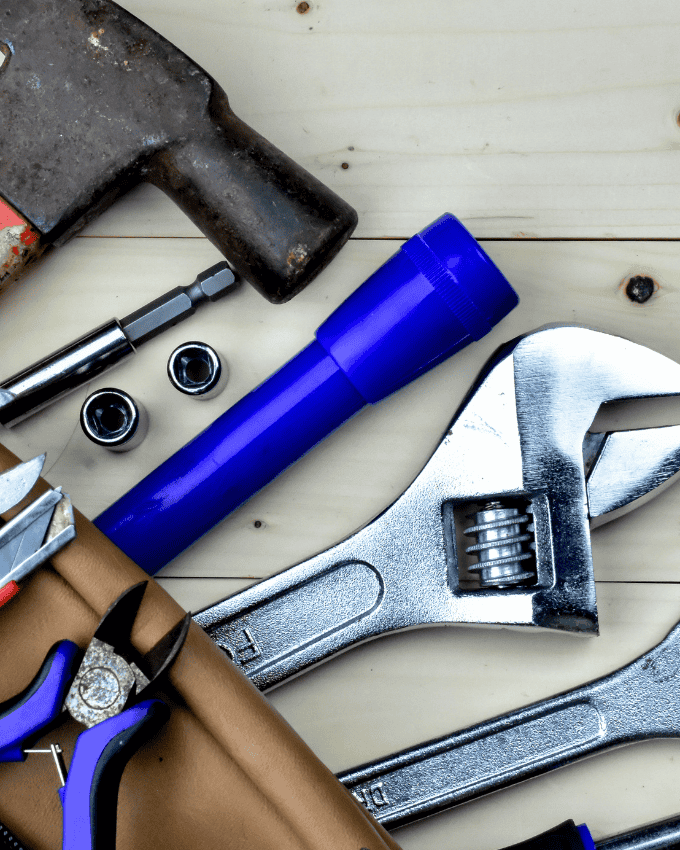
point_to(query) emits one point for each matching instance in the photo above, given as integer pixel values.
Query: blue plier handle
(102, 689)
(91, 791)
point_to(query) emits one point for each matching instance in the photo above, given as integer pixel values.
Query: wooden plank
(360, 469)
(196, 594)
(524, 121)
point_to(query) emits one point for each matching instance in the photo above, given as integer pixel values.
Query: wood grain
(528, 119)
(531, 122)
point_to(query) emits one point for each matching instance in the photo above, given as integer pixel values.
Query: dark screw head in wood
(640, 289)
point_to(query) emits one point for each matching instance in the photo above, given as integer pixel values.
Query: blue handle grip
(566, 836)
(27, 716)
(434, 296)
(90, 796)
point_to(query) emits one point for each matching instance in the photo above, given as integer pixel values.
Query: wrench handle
(634, 703)
(455, 769)
(286, 624)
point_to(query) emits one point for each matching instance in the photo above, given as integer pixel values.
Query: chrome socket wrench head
(196, 369)
(114, 420)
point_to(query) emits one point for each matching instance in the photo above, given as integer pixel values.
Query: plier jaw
(113, 675)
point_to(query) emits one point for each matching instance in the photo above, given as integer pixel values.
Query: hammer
(93, 101)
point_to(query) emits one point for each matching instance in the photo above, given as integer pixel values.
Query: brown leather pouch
(225, 771)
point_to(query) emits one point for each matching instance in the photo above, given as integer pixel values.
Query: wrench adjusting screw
(501, 546)
(196, 369)
(112, 419)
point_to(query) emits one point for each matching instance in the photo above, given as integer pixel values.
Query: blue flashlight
(438, 293)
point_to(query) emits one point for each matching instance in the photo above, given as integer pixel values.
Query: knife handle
(8, 591)
(20, 243)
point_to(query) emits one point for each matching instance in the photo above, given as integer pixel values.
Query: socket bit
(112, 419)
(91, 355)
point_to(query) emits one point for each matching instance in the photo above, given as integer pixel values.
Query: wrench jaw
(562, 376)
(563, 544)
(630, 468)
(522, 434)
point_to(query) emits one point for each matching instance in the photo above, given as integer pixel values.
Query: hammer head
(93, 101)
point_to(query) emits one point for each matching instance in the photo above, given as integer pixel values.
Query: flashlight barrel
(439, 292)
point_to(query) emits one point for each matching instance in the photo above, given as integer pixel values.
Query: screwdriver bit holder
(96, 352)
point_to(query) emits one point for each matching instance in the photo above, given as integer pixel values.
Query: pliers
(35, 534)
(106, 690)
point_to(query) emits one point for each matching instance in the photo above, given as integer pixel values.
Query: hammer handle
(276, 223)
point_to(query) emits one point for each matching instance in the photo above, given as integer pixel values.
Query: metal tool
(107, 691)
(436, 294)
(196, 369)
(661, 835)
(17, 483)
(91, 355)
(112, 419)
(36, 533)
(638, 702)
(93, 102)
(519, 454)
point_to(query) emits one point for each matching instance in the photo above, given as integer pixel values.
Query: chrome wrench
(637, 702)
(518, 454)
(660, 835)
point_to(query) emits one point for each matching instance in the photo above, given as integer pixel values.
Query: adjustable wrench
(519, 456)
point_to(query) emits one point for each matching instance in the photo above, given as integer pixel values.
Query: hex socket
(112, 419)
(197, 370)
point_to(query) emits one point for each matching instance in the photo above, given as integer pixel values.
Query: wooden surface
(550, 129)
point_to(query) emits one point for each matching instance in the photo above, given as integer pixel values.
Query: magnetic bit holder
(197, 370)
(439, 292)
(96, 352)
(114, 420)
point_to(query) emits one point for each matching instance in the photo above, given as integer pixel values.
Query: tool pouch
(225, 771)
